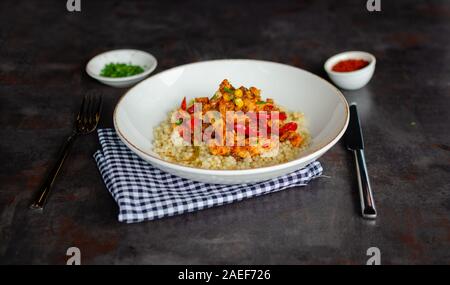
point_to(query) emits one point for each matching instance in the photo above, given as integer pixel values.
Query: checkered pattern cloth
(144, 192)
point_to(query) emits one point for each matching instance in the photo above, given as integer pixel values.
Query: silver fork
(85, 123)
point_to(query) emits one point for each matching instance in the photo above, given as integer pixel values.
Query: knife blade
(355, 142)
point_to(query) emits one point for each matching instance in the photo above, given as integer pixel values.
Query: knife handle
(365, 191)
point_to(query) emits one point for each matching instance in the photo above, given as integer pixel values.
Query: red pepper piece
(291, 126)
(192, 123)
(190, 110)
(183, 104)
(268, 107)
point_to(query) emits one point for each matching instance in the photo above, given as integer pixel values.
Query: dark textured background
(404, 109)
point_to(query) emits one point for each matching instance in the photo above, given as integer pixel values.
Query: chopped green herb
(261, 102)
(214, 96)
(228, 90)
(179, 121)
(116, 70)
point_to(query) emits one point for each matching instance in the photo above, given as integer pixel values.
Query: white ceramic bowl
(144, 106)
(354, 79)
(130, 56)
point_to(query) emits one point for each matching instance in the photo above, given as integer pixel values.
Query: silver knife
(355, 143)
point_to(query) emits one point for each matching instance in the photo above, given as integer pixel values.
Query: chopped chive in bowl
(116, 70)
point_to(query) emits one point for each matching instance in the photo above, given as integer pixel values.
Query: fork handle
(44, 191)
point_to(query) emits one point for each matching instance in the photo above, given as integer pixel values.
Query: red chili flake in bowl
(350, 65)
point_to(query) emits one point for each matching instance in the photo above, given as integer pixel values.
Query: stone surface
(404, 112)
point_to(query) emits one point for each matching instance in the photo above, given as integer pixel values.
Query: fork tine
(91, 109)
(99, 109)
(85, 116)
(89, 115)
(80, 112)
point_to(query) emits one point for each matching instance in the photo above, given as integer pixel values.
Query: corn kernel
(227, 96)
(238, 102)
(238, 93)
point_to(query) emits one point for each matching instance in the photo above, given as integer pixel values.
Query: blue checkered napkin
(144, 192)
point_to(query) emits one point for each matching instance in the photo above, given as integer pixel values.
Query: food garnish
(116, 70)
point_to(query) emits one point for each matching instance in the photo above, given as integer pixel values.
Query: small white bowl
(129, 56)
(354, 79)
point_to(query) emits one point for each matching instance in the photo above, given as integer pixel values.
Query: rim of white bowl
(122, 79)
(318, 150)
(335, 58)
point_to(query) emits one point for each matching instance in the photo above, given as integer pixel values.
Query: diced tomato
(291, 126)
(190, 110)
(192, 123)
(183, 104)
(282, 116)
(268, 107)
